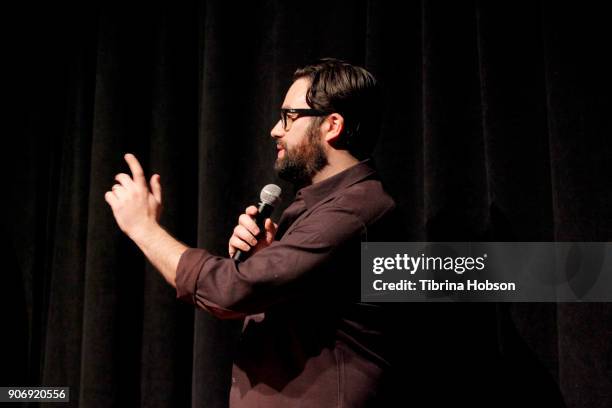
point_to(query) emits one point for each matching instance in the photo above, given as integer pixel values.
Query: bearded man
(307, 340)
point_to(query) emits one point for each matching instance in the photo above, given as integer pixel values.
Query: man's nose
(277, 131)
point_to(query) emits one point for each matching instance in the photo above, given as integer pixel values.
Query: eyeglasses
(284, 114)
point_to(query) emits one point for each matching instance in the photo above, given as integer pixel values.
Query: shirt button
(233, 380)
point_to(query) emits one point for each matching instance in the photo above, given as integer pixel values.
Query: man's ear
(332, 127)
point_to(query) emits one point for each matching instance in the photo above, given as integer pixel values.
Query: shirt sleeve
(231, 289)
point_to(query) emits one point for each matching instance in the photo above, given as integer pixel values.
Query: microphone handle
(263, 211)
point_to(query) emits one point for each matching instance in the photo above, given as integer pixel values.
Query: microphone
(268, 198)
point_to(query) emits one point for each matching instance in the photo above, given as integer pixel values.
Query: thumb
(156, 188)
(270, 228)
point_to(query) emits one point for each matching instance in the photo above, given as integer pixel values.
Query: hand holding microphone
(255, 230)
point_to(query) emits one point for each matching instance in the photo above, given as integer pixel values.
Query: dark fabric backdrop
(496, 127)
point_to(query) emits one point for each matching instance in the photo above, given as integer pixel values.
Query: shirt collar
(316, 192)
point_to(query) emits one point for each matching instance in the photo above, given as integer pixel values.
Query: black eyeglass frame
(300, 112)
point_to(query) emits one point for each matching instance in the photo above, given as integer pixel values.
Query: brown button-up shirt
(307, 340)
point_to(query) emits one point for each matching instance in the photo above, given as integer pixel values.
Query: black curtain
(496, 127)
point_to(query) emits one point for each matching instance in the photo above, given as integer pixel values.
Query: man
(307, 340)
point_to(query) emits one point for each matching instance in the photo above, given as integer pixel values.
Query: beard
(302, 162)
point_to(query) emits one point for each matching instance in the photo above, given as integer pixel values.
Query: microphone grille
(270, 194)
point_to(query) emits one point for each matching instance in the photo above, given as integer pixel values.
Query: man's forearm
(161, 249)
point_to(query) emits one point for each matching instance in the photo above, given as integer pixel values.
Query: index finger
(135, 168)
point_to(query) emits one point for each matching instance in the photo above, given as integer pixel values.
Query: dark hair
(339, 87)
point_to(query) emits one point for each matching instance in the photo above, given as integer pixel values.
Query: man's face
(301, 153)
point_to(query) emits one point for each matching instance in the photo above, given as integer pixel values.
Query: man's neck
(335, 165)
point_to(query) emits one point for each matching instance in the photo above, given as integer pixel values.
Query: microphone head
(270, 194)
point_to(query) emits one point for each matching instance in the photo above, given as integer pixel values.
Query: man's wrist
(146, 230)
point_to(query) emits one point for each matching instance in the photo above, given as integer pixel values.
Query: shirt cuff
(188, 269)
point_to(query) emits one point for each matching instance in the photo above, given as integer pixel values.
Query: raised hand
(135, 207)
